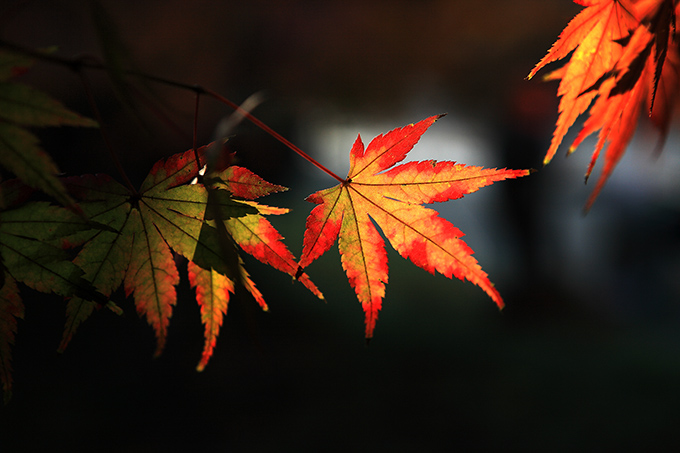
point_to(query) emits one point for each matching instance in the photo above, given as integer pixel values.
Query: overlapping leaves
(131, 239)
(624, 56)
(170, 215)
(22, 107)
(32, 252)
(107, 235)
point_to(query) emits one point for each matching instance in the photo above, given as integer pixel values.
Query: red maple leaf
(623, 52)
(373, 193)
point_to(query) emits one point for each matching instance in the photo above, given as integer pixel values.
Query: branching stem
(271, 132)
(78, 64)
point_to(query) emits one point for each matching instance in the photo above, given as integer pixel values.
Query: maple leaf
(255, 235)
(32, 248)
(32, 252)
(392, 198)
(620, 51)
(253, 232)
(615, 113)
(212, 295)
(666, 94)
(20, 107)
(593, 37)
(170, 215)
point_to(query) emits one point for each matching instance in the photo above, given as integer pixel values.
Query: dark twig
(77, 64)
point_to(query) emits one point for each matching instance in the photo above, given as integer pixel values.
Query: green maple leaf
(168, 216)
(131, 239)
(21, 107)
(33, 252)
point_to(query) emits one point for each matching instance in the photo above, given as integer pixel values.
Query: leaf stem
(77, 64)
(253, 119)
(195, 133)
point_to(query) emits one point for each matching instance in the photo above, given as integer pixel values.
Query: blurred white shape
(329, 137)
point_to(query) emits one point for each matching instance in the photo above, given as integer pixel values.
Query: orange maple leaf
(623, 52)
(593, 36)
(392, 198)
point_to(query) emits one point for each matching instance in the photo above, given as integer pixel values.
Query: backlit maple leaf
(255, 235)
(623, 52)
(392, 198)
(169, 215)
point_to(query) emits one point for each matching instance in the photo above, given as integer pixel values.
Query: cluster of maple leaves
(103, 235)
(623, 57)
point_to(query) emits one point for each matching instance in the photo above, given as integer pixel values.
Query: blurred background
(586, 353)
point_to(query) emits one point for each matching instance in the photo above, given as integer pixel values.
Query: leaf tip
(114, 308)
(159, 350)
(591, 200)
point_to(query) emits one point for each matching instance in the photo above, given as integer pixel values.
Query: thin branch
(77, 64)
(195, 138)
(271, 132)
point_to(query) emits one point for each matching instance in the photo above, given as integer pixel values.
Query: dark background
(586, 354)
